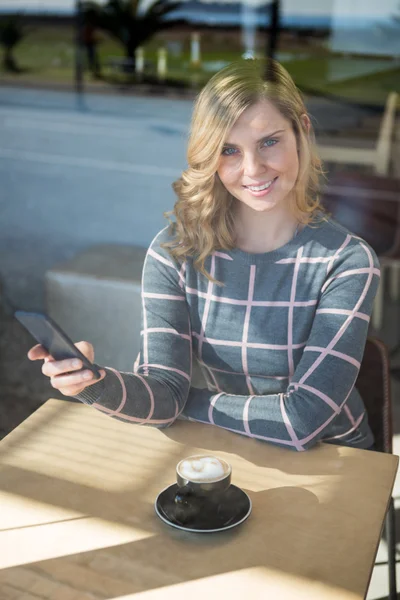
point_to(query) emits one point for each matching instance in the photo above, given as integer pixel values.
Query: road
(73, 175)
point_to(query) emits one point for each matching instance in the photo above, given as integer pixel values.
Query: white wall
(364, 8)
(307, 7)
(359, 27)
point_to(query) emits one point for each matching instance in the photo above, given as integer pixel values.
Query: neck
(263, 232)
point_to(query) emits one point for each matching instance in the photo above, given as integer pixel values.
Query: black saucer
(233, 508)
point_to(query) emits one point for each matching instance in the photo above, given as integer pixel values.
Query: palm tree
(131, 26)
(11, 33)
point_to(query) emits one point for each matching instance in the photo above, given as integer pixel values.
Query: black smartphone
(53, 338)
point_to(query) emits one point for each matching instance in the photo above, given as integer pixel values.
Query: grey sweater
(280, 343)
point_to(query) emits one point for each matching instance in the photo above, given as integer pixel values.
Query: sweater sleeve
(325, 374)
(157, 389)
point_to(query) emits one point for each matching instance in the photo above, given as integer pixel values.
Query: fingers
(37, 353)
(81, 379)
(68, 375)
(73, 384)
(40, 353)
(51, 368)
(86, 349)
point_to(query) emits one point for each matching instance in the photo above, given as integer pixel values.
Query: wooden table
(77, 519)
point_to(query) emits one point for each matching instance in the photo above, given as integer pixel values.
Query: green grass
(372, 89)
(313, 74)
(48, 55)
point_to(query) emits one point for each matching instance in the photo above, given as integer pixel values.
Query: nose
(253, 164)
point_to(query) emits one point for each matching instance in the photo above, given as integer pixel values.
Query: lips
(260, 187)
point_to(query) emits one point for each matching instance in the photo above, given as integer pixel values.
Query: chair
(373, 383)
(369, 206)
(377, 158)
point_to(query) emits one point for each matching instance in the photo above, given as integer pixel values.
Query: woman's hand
(67, 375)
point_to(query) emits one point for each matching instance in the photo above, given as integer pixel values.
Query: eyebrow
(264, 137)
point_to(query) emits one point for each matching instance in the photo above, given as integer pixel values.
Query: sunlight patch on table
(32, 543)
(77, 451)
(257, 583)
(19, 511)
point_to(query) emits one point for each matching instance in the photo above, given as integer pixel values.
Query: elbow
(163, 423)
(299, 445)
(307, 445)
(167, 408)
(307, 434)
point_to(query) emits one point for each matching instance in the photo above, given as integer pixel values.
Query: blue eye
(269, 143)
(228, 151)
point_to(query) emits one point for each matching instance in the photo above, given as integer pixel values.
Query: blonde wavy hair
(204, 208)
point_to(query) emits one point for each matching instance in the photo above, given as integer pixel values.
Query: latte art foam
(203, 469)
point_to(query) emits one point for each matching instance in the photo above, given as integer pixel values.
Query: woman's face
(259, 163)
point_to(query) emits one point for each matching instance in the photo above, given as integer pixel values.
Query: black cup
(196, 499)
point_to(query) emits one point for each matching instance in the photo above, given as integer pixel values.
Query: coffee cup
(202, 482)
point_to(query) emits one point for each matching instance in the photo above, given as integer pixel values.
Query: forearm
(134, 398)
(262, 417)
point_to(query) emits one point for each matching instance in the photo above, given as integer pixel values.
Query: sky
(367, 8)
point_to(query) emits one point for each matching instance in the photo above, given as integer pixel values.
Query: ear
(305, 119)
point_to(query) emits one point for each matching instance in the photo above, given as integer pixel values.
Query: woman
(270, 295)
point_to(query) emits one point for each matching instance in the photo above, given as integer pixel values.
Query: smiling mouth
(260, 188)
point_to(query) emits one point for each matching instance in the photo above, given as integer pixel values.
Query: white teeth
(259, 188)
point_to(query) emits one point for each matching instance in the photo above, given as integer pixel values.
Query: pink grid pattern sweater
(280, 343)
